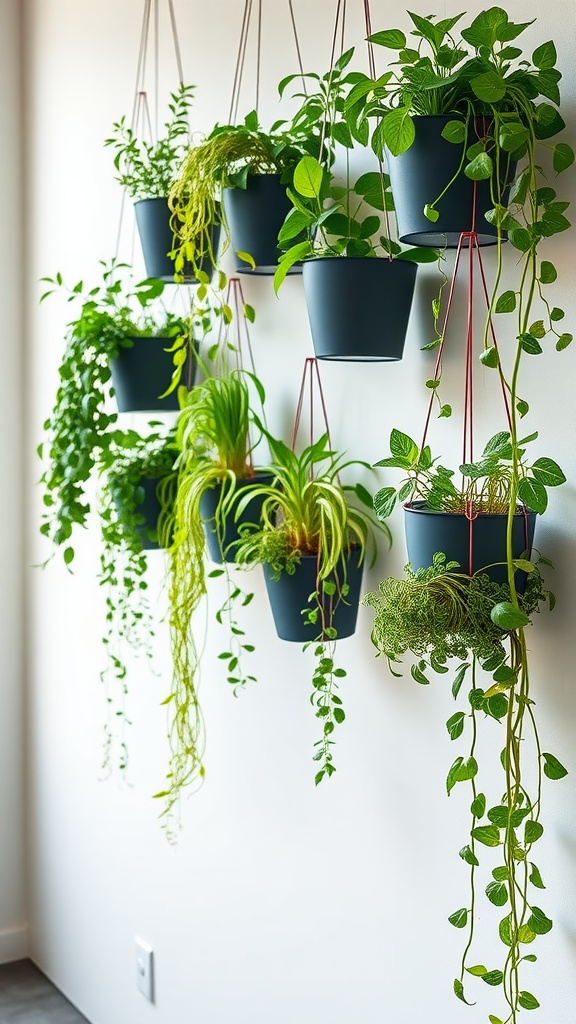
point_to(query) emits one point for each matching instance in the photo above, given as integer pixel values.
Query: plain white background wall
(280, 903)
(13, 937)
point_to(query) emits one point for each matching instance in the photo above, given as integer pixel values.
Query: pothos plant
(130, 466)
(307, 510)
(481, 81)
(438, 613)
(81, 426)
(216, 435)
(146, 169)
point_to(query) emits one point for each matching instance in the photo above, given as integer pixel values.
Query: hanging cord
(234, 99)
(372, 73)
(258, 55)
(310, 377)
(340, 9)
(297, 45)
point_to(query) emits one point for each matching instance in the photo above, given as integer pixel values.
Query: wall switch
(144, 969)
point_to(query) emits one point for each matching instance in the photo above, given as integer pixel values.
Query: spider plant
(308, 513)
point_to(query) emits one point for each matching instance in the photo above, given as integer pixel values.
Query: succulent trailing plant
(146, 170)
(81, 426)
(126, 465)
(307, 511)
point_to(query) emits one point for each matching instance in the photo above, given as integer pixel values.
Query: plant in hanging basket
(215, 443)
(457, 110)
(146, 171)
(312, 541)
(80, 426)
(136, 515)
(443, 610)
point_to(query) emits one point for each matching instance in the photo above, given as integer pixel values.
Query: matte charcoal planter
(142, 372)
(359, 306)
(428, 532)
(419, 175)
(255, 215)
(157, 239)
(209, 500)
(289, 595)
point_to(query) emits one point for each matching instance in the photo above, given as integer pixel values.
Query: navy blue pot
(289, 595)
(359, 306)
(255, 215)
(149, 509)
(428, 532)
(157, 239)
(143, 371)
(220, 546)
(421, 174)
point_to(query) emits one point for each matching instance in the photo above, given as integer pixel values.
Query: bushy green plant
(146, 170)
(81, 425)
(308, 511)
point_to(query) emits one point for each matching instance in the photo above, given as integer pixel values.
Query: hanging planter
(484, 538)
(142, 371)
(222, 543)
(421, 174)
(289, 597)
(254, 216)
(359, 307)
(153, 221)
(150, 509)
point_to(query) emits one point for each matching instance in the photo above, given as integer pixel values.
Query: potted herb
(146, 170)
(80, 425)
(313, 541)
(454, 115)
(345, 254)
(136, 516)
(216, 435)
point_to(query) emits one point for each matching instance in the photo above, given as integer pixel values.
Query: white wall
(280, 903)
(13, 935)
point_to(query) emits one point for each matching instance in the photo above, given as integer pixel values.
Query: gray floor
(27, 997)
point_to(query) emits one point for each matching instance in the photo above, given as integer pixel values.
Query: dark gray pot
(255, 215)
(289, 595)
(359, 306)
(143, 371)
(219, 546)
(156, 237)
(428, 532)
(420, 174)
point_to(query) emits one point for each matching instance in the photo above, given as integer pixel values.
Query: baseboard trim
(14, 945)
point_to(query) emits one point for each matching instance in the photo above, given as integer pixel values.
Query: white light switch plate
(145, 969)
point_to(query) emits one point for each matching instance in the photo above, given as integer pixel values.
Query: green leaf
(393, 38)
(489, 87)
(532, 832)
(536, 877)
(478, 806)
(504, 931)
(529, 344)
(506, 616)
(467, 855)
(533, 494)
(501, 874)
(384, 502)
(430, 213)
(489, 357)
(545, 56)
(489, 835)
(563, 157)
(553, 769)
(454, 131)
(521, 239)
(477, 971)
(484, 29)
(246, 258)
(458, 679)
(499, 816)
(563, 341)
(308, 176)
(419, 676)
(480, 168)
(522, 407)
(402, 446)
(462, 770)
(493, 977)
(459, 918)
(527, 1001)
(398, 130)
(455, 725)
(249, 313)
(497, 893)
(548, 272)
(459, 991)
(525, 934)
(506, 302)
(548, 472)
(372, 187)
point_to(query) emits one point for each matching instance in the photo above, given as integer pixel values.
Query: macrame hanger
(469, 240)
(311, 381)
(241, 55)
(141, 121)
